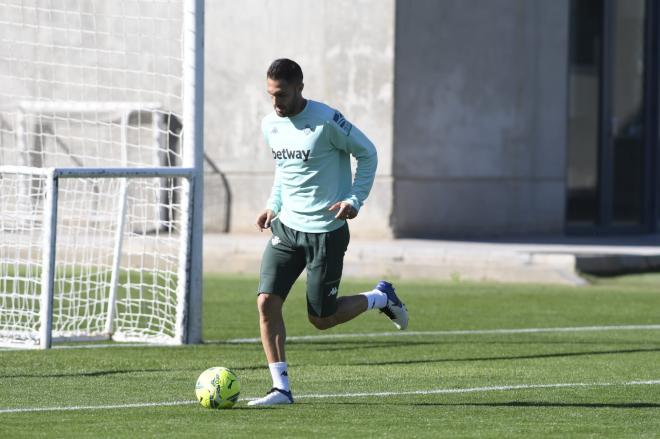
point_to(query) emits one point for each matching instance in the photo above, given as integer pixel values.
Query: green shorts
(289, 251)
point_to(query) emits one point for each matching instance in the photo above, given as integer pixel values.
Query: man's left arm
(350, 139)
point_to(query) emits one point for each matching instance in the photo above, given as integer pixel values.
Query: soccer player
(312, 197)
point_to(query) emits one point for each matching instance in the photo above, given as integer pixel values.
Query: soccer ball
(217, 388)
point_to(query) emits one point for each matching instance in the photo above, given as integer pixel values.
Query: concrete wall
(480, 117)
(346, 50)
(465, 100)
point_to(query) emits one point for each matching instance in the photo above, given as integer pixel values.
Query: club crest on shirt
(342, 123)
(274, 130)
(308, 130)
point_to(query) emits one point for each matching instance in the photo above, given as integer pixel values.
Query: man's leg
(325, 260)
(271, 325)
(273, 336)
(348, 307)
(280, 267)
(383, 298)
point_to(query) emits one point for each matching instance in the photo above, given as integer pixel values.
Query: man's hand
(344, 210)
(263, 220)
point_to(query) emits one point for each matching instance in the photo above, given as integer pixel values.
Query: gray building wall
(346, 50)
(464, 99)
(480, 117)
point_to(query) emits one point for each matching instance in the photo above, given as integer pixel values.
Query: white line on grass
(454, 332)
(347, 395)
(97, 407)
(479, 389)
(376, 334)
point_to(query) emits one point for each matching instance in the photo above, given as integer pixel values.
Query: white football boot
(395, 309)
(274, 396)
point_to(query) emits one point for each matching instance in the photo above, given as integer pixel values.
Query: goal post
(101, 193)
(193, 117)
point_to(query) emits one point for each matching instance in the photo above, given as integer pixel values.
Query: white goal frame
(188, 326)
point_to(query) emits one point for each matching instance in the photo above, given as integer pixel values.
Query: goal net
(100, 188)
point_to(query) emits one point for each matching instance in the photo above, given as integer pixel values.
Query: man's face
(285, 96)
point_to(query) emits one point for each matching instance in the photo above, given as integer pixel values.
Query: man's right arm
(273, 204)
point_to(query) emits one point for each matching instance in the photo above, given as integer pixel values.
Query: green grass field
(434, 382)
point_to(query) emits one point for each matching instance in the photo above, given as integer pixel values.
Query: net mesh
(147, 276)
(63, 62)
(87, 227)
(91, 84)
(21, 201)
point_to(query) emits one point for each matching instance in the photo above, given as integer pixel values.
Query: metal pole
(119, 231)
(189, 311)
(48, 259)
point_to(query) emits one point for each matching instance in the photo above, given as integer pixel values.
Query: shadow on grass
(103, 373)
(356, 345)
(359, 345)
(511, 357)
(516, 404)
(594, 405)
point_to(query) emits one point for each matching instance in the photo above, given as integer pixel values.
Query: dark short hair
(286, 70)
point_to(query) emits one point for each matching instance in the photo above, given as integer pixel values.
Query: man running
(312, 197)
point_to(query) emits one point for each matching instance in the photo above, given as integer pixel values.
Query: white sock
(280, 375)
(376, 299)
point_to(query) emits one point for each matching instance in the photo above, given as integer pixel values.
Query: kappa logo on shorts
(333, 291)
(276, 240)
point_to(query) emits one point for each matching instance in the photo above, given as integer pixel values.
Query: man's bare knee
(322, 323)
(269, 304)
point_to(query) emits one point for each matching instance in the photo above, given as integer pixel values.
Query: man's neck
(300, 107)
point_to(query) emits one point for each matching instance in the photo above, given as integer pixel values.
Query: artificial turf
(595, 383)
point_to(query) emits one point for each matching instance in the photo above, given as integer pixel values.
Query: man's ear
(300, 87)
